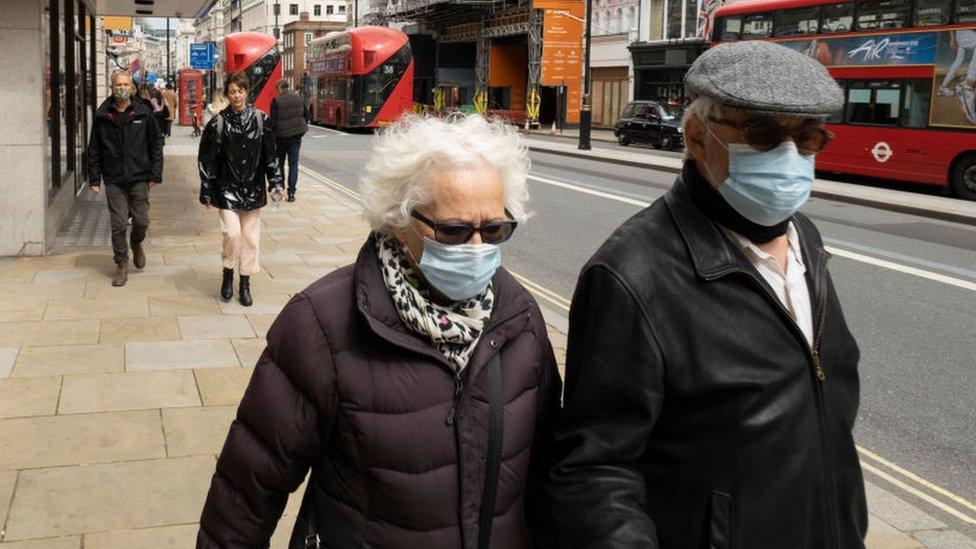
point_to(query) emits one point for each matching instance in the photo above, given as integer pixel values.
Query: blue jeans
(289, 146)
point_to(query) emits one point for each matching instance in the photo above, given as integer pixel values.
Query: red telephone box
(191, 96)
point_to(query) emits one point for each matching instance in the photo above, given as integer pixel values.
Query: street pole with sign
(585, 108)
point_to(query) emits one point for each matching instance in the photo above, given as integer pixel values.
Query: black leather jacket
(234, 167)
(125, 147)
(696, 414)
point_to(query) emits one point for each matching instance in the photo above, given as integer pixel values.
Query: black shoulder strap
(312, 539)
(496, 431)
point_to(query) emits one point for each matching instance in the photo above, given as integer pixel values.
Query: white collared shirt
(790, 287)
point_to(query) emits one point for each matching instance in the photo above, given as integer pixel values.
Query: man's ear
(695, 138)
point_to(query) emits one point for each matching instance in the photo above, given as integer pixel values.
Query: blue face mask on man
(459, 271)
(767, 187)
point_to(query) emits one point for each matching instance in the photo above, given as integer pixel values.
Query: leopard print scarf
(454, 330)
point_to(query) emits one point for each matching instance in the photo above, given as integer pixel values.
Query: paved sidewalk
(115, 401)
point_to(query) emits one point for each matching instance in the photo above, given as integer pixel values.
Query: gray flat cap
(765, 78)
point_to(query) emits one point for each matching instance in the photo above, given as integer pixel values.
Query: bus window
(759, 25)
(837, 17)
(887, 103)
(873, 103)
(932, 12)
(858, 105)
(915, 107)
(966, 11)
(883, 14)
(796, 21)
(730, 27)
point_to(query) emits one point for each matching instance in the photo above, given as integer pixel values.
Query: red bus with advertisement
(908, 69)
(256, 55)
(359, 78)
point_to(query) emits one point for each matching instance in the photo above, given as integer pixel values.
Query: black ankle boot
(244, 295)
(227, 286)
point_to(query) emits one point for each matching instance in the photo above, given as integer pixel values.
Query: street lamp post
(585, 110)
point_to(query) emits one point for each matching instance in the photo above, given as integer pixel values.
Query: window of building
(673, 19)
(308, 38)
(932, 12)
(883, 14)
(796, 21)
(342, 9)
(873, 103)
(317, 10)
(293, 9)
(965, 11)
(328, 10)
(837, 17)
(759, 25)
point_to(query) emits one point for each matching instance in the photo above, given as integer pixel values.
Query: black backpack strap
(496, 431)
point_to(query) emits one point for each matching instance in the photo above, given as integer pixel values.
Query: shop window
(759, 25)
(837, 17)
(915, 104)
(883, 14)
(796, 21)
(966, 11)
(932, 12)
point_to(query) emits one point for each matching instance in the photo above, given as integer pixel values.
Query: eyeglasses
(456, 232)
(764, 134)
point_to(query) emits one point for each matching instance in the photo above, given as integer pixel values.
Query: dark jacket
(235, 166)
(125, 147)
(290, 115)
(694, 413)
(344, 387)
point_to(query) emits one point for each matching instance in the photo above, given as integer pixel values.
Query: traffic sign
(202, 56)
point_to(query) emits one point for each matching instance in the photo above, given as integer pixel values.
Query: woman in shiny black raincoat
(237, 163)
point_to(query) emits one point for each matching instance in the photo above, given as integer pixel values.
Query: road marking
(564, 304)
(922, 273)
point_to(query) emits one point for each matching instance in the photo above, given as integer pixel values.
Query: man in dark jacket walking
(290, 115)
(711, 380)
(126, 151)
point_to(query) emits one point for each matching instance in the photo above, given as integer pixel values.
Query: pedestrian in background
(711, 379)
(236, 159)
(160, 109)
(170, 96)
(397, 378)
(125, 151)
(290, 114)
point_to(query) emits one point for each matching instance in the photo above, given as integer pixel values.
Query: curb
(817, 193)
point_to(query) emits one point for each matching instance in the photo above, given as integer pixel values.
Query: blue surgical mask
(767, 187)
(459, 271)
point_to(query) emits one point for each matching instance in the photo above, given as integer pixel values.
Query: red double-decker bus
(361, 77)
(256, 55)
(908, 69)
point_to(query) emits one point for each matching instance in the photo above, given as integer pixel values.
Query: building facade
(614, 27)
(295, 40)
(271, 16)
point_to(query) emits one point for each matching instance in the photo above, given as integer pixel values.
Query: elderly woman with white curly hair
(419, 384)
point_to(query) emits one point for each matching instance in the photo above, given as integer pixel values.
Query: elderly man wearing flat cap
(711, 380)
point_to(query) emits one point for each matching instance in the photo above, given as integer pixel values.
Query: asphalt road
(917, 333)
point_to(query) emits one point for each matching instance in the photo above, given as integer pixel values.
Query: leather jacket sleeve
(614, 390)
(207, 162)
(270, 155)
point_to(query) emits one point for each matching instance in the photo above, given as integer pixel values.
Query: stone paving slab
(249, 350)
(223, 386)
(76, 439)
(110, 496)
(176, 537)
(214, 326)
(70, 542)
(197, 431)
(898, 513)
(263, 304)
(49, 332)
(18, 309)
(128, 391)
(7, 481)
(176, 355)
(157, 328)
(64, 290)
(182, 305)
(23, 397)
(8, 355)
(77, 309)
(261, 323)
(54, 360)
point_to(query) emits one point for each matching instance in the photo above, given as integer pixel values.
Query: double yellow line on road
(895, 475)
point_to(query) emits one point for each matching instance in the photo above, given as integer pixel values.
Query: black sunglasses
(764, 134)
(457, 232)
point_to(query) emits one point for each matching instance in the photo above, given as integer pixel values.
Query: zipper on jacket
(457, 398)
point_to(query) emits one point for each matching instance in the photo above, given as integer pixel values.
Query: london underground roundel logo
(881, 152)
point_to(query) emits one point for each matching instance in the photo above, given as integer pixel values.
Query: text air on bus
(256, 55)
(908, 69)
(361, 77)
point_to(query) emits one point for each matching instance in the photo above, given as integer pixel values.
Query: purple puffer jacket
(344, 388)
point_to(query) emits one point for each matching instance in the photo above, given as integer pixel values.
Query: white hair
(410, 151)
(701, 108)
(120, 72)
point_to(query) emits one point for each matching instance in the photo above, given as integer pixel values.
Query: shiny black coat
(695, 413)
(125, 147)
(235, 167)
